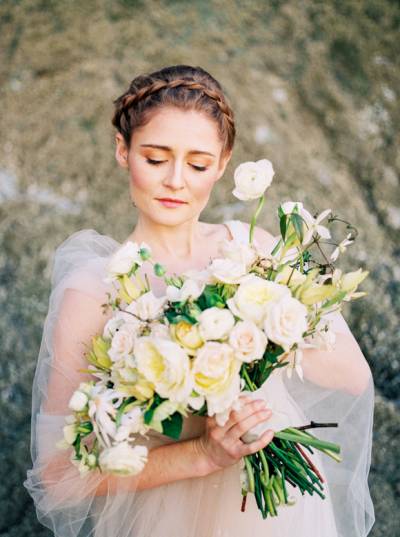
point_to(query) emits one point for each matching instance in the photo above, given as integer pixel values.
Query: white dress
(203, 506)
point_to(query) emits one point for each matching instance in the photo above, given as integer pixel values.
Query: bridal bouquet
(213, 335)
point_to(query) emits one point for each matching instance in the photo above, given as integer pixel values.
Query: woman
(175, 135)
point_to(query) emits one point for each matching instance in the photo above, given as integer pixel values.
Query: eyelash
(157, 162)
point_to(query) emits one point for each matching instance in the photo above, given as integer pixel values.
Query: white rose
(248, 341)
(253, 297)
(148, 307)
(122, 261)
(252, 179)
(227, 270)
(123, 459)
(286, 321)
(78, 401)
(242, 252)
(215, 323)
(216, 377)
(166, 365)
(190, 289)
(122, 343)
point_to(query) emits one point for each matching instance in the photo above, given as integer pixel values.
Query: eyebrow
(166, 148)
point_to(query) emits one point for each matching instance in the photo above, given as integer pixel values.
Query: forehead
(177, 128)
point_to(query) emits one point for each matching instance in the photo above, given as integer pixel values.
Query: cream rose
(248, 341)
(253, 297)
(252, 179)
(166, 365)
(187, 335)
(123, 459)
(216, 377)
(242, 252)
(215, 323)
(227, 270)
(122, 343)
(285, 322)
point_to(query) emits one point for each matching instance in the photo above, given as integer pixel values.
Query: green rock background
(315, 89)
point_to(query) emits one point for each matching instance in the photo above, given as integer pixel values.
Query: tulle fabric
(96, 505)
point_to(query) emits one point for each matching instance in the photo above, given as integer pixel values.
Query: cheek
(141, 178)
(202, 187)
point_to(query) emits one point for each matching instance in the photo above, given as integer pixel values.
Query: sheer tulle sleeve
(66, 502)
(338, 387)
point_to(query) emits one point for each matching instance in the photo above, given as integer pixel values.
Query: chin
(170, 217)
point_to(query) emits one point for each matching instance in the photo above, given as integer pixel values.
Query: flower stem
(255, 216)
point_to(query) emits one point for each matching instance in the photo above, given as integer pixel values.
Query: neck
(176, 240)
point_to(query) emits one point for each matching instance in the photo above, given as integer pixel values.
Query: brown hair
(182, 86)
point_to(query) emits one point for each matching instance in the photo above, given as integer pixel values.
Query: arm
(79, 318)
(344, 367)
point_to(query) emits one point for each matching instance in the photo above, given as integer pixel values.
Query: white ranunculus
(190, 289)
(147, 307)
(253, 297)
(286, 321)
(227, 270)
(241, 252)
(216, 377)
(78, 401)
(248, 341)
(252, 179)
(123, 459)
(122, 343)
(166, 365)
(122, 261)
(215, 323)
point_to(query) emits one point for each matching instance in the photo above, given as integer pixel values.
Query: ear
(121, 151)
(223, 163)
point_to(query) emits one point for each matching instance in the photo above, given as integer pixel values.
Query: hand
(222, 445)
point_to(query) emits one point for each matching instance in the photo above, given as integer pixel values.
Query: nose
(174, 178)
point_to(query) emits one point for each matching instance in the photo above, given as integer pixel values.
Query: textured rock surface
(315, 89)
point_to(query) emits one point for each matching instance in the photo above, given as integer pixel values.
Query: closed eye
(158, 162)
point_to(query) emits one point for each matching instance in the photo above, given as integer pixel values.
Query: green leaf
(172, 426)
(297, 222)
(283, 225)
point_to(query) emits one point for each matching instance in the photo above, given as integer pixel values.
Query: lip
(171, 202)
(175, 200)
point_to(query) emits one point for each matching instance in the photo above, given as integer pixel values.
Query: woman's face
(173, 164)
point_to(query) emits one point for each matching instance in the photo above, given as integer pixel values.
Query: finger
(236, 416)
(241, 427)
(257, 445)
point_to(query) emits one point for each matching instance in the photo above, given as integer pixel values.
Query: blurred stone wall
(315, 88)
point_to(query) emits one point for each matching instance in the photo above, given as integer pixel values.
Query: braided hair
(181, 86)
